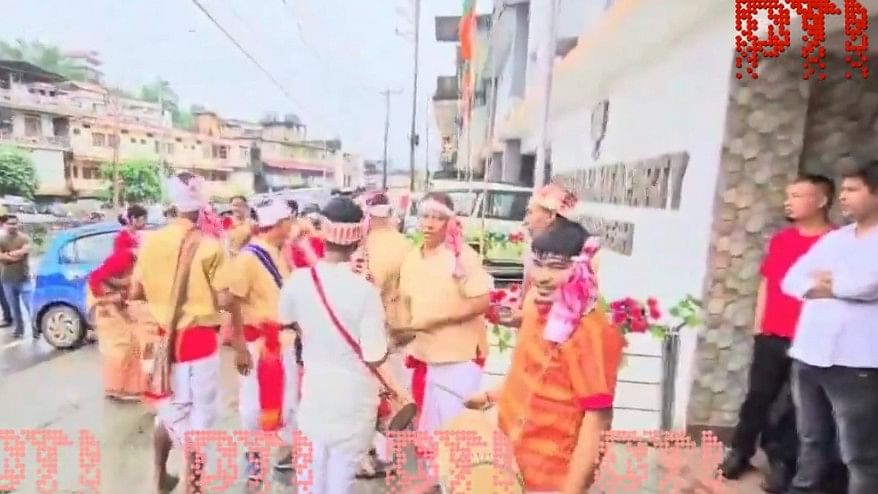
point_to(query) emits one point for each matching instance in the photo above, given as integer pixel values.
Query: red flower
(492, 315)
(639, 326)
(619, 317)
(497, 296)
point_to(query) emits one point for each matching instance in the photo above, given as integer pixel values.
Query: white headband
(432, 206)
(380, 210)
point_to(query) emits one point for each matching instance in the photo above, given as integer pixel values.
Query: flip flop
(168, 483)
(404, 418)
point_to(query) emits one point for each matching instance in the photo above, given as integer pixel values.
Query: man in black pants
(807, 204)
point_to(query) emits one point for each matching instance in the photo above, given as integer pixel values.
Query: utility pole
(413, 137)
(387, 93)
(113, 102)
(548, 61)
(426, 144)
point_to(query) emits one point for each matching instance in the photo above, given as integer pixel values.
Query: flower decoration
(502, 299)
(634, 316)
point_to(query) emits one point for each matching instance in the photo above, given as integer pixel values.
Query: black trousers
(837, 402)
(767, 413)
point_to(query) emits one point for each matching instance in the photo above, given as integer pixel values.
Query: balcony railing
(34, 141)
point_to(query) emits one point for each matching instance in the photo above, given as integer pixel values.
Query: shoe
(285, 462)
(778, 478)
(18, 335)
(734, 465)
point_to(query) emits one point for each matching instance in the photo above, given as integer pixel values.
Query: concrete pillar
(512, 162)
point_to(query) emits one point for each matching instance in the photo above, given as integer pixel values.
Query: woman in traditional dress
(114, 322)
(557, 398)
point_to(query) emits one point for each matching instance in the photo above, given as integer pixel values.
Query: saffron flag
(467, 29)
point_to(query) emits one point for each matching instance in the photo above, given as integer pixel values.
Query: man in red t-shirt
(808, 200)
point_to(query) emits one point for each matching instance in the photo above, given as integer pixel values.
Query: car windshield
(506, 205)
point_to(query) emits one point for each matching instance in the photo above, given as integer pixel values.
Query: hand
(478, 401)
(510, 316)
(402, 337)
(112, 298)
(822, 285)
(243, 361)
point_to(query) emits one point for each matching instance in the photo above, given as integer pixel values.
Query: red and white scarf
(453, 233)
(575, 298)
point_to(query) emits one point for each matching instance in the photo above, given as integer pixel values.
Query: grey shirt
(14, 271)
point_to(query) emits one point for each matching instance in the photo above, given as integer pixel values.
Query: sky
(331, 58)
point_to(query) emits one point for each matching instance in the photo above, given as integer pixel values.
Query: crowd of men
(339, 326)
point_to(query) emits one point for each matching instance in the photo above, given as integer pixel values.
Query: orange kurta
(239, 234)
(549, 388)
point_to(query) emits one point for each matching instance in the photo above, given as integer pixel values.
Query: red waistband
(269, 330)
(195, 342)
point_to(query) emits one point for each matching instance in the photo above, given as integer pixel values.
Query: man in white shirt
(335, 309)
(835, 350)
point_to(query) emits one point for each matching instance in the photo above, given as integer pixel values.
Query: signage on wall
(777, 14)
(599, 127)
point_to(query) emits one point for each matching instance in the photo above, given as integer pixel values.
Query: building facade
(681, 166)
(72, 130)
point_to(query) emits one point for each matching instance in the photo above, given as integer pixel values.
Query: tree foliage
(17, 175)
(161, 92)
(141, 180)
(44, 56)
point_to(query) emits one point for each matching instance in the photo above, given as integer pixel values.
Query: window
(98, 139)
(76, 132)
(143, 141)
(149, 135)
(133, 140)
(157, 147)
(33, 126)
(506, 205)
(124, 131)
(245, 152)
(464, 202)
(112, 140)
(88, 250)
(91, 172)
(170, 148)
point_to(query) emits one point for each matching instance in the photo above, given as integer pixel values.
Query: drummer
(335, 309)
(555, 424)
(445, 293)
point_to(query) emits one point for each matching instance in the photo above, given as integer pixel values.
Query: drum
(485, 474)
(395, 414)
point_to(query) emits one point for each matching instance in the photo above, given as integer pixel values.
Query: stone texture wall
(765, 129)
(775, 127)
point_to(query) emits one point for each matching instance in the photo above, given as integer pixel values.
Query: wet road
(18, 354)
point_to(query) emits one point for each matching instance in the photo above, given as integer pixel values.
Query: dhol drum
(395, 414)
(486, 473)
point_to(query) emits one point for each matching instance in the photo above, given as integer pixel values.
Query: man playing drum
(445, 292)
(268, 396)
(340, 321)
(557, 397)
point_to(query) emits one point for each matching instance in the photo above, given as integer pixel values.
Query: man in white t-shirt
(340, 395)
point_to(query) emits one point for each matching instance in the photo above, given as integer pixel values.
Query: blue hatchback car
(59, 311)
(59, 283)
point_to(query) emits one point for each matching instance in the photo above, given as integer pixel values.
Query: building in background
(73, 129)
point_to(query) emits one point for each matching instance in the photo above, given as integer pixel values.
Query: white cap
(273, 213)
(187, 197)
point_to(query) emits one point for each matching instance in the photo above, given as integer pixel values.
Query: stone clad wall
(765, 127)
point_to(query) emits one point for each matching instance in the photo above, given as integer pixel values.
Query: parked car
(59, 311)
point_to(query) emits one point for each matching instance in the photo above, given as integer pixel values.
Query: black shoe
(18, 335)
(778, 479)
(734, 465)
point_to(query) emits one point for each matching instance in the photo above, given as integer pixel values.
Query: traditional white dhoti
(194, 405)
(447, 386)
(332, 471)
(248, 393)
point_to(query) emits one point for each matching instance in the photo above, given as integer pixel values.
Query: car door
(77, 259)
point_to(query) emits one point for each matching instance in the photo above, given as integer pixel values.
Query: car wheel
(62, 327)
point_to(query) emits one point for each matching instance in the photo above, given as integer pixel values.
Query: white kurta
(339, 401)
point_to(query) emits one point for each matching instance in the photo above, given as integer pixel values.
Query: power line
(246, 53)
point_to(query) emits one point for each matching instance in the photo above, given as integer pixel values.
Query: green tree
(141, 180)
(160, 91)
(17, 176)
(46, 57)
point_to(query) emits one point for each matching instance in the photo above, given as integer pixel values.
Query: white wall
(49, 170)
(675, 104)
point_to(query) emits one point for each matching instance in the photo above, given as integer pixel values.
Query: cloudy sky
(332, 57)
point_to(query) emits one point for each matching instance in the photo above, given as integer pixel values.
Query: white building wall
(676, 104)
(49, 171)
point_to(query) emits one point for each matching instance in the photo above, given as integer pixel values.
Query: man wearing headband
(380, 259)
(545, 206)
(267, 397)
(185, 384)
(557, 397)
(445, 292)
(335, 309)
